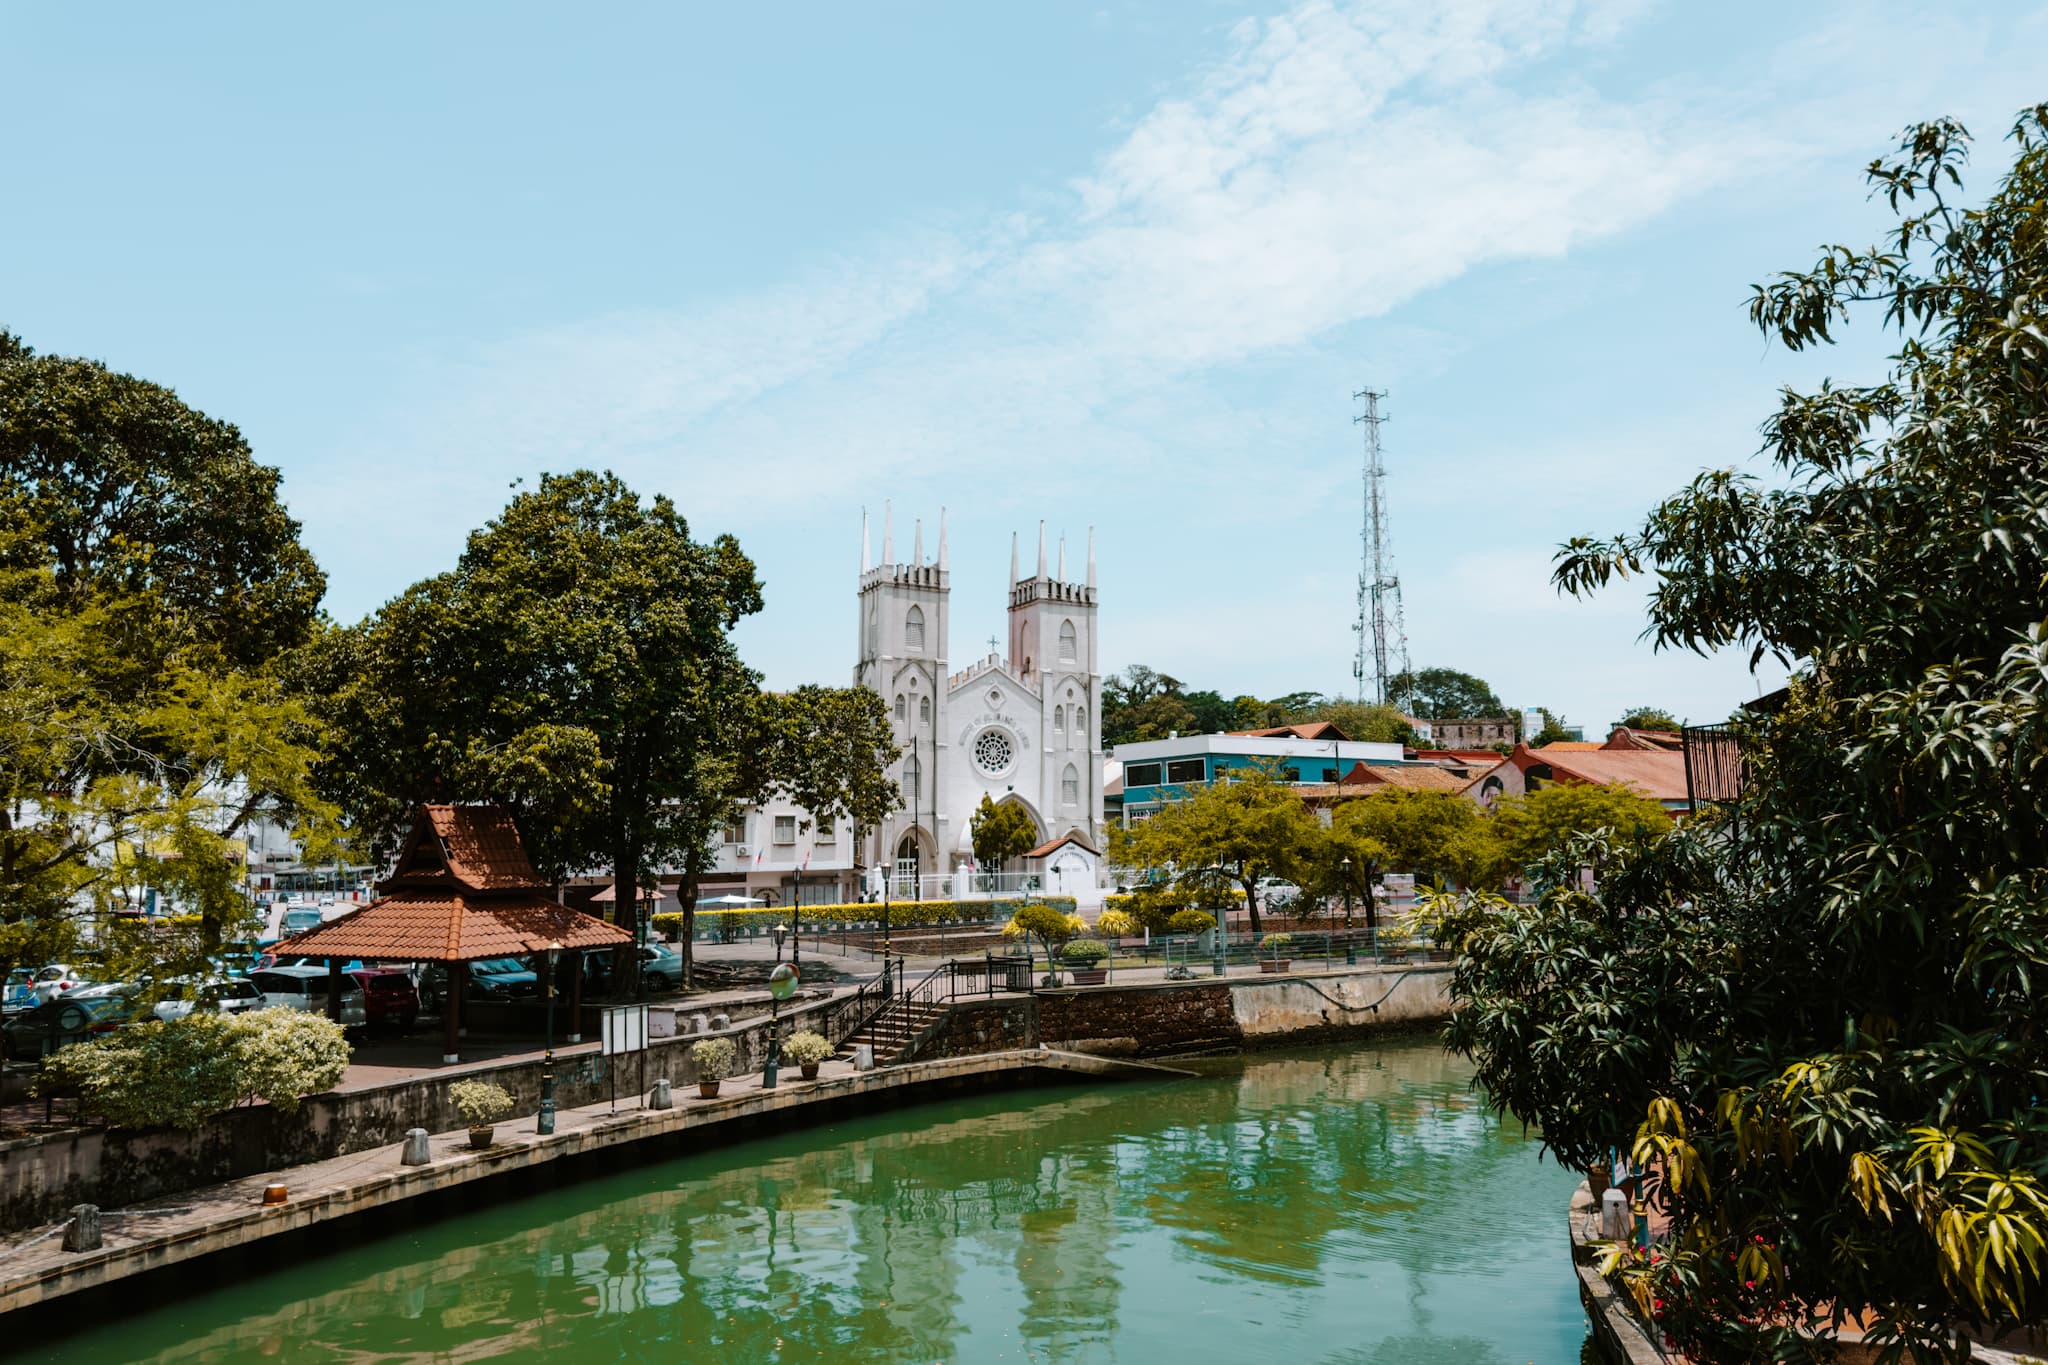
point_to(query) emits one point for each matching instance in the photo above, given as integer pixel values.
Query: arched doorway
(913, 859)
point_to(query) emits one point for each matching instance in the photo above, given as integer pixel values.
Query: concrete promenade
(179, 1230)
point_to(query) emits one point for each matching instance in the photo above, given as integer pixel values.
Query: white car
(57, 979)
(229, 995)
(1275, 892)
(305, 988)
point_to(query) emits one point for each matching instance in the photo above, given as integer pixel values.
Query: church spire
(1013, 557)
(942, 538)
(863, 541)
(1063, 556)
(1041, 549)
(917, 544)
(888, 532)
(1091, 556)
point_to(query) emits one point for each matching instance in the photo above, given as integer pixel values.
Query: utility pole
(1382, 635)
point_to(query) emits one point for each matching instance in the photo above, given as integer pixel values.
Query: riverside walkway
(180, 1230)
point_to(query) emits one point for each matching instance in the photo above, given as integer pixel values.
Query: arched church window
(1070, 786)
(874, 632)
(924, 710)
(1081, 723)
(913, 631)
(912, 775)
(1069, 651)
(1059, 719)
(902, 707)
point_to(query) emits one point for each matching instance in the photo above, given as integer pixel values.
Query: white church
(1024, 728)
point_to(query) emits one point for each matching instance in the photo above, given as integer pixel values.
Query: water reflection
(1335, 1205)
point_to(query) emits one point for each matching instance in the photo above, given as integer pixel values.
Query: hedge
(902, 914)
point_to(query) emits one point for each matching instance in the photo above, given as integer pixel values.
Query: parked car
(1276, 892)
(21, 990)
(59, 979)
(224, 995)
(661, 967)
(502, 978)
(305, 988)
(389, 997)
(71, 1018)
(299, 919)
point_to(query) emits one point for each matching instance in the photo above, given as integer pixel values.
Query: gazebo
(463, 891)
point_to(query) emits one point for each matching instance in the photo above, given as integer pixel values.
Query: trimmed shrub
(902, 914)
(481, 1103)
(1191, 922)
(714, 1057)
(289, 1054)
(1116, 924)
(1084, 952)
(806, 1046)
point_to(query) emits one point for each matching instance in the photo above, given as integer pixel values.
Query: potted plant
(1395, 942)
(481, 1104)
(807, 1049)
(1086, 956)
(714, 1058)
(1275, 963)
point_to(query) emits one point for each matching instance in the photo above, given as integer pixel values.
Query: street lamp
(1350, 944)
(796, 915)
(776, 991)
(546, 1122)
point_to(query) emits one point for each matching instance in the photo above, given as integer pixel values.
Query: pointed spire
(1013, 556)
(863, 541)
(942, 538)
(1091, 556)
(888, 532)
(1063, 556)
(1041, 549)
(917, 544)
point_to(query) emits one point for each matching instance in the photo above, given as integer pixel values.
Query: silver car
(228, 995)
(305, 988)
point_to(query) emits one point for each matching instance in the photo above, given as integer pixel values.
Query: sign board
(624, 1030)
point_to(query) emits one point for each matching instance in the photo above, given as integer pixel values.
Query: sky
(1121, 266)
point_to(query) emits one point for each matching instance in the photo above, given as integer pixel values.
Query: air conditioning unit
(739, 850)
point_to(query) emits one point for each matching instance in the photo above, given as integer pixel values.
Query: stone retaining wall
(1162, 1018)
(40, 1177)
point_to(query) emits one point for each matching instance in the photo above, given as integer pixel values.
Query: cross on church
(991, 644)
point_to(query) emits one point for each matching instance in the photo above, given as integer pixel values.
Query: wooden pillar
(334, 989)
(451, 1011)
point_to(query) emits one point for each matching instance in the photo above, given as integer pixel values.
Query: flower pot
(480, 1138)
(1599, 1176)
(1273, 966)
(707, 1090)
(1090, 976)
(809, 1070)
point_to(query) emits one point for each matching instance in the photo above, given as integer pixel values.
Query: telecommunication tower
(1382, 635)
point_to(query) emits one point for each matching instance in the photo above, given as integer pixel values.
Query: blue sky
(1119, 265)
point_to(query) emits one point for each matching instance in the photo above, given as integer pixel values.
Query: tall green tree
(1000, 833)
(1530, 827)
(1650, 718)
(149, 579)
(1818, 1015)
(1439, 837)
(1238, 829)
(1445, 694)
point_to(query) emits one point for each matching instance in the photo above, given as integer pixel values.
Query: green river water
(1351, 1205)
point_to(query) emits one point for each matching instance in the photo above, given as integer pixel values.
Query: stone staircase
(900, 1028)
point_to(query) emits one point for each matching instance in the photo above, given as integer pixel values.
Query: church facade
(1022, 728)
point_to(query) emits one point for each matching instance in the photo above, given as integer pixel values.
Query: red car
(390, 999)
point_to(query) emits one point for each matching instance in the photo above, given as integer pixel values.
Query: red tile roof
(1315, 729)
(1659, 773)
(1409, 777)
(1051, 846)
(416, 926)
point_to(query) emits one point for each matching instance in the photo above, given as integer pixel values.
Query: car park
(390, 999)
(71, 1018)
(220, 995)
(58, 979)
(305, 988)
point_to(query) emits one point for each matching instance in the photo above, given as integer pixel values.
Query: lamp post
(779, 932)
(546, 1122)
(1350, 943)
(796, 916)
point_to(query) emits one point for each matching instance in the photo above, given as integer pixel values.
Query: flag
(757, 856)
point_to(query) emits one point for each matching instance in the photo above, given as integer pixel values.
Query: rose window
(992, 751)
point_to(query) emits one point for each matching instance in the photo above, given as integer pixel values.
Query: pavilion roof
(476, 848)
(445, 925)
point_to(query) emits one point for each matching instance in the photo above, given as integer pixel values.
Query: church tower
(1053, 651)
(905, 611)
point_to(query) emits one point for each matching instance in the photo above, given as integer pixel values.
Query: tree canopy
(1650, 718)
(1000, 833)
(1445, 694)
(1239, 828)
(1817, 1013)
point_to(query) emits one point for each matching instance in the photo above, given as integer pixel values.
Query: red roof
(1316, 729)
(1657, 773)
(464, 889)
(448, 926)
(1051, 846)
(1408, 776)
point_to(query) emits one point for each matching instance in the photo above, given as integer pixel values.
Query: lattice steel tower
(1382, 636)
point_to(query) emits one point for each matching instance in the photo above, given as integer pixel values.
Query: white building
(1023, 728)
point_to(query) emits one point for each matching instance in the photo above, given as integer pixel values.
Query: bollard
(864, 1057)
(416, 1153)
(275, 1194)
(663, 1097)
(700, 1023)
(83, 1232)
(1615, 1223)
